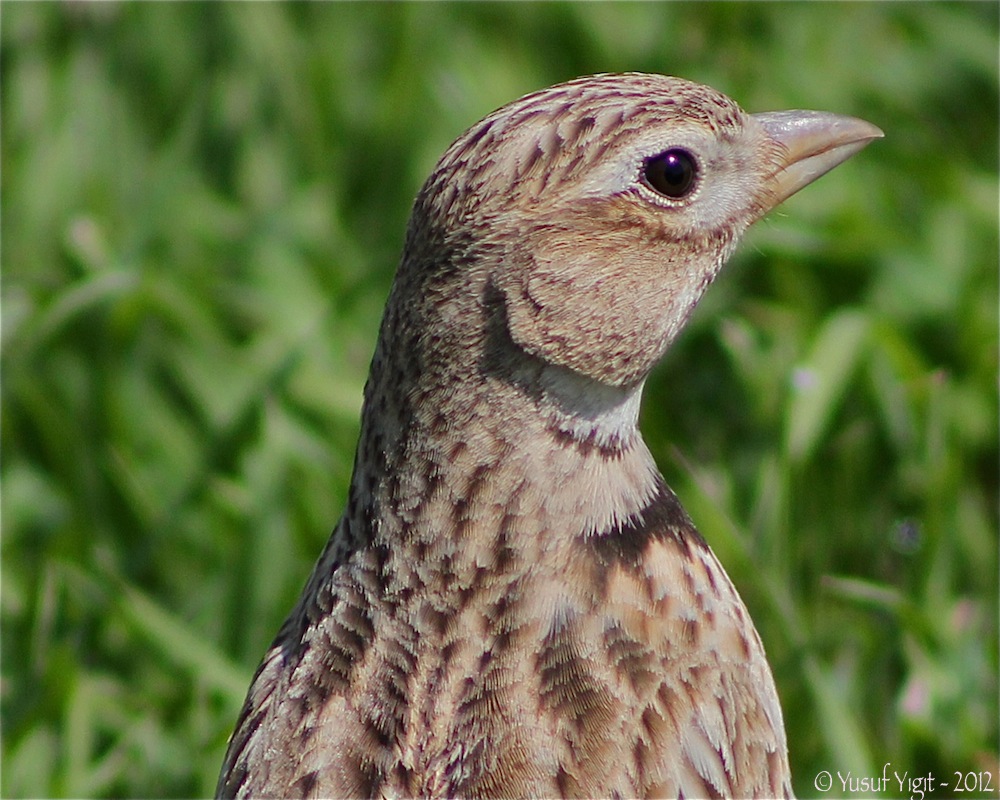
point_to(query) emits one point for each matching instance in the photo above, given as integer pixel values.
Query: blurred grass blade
(843, 736)
(881, 598)
(822, 380)
(76, 300)
(185, 647)
(31, 769)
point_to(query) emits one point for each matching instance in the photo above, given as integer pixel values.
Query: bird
(514, 603)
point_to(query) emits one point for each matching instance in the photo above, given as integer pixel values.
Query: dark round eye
(672, 173)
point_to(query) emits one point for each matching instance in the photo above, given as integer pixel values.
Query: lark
(514, 603)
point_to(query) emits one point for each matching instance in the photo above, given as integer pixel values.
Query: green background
(202, 207)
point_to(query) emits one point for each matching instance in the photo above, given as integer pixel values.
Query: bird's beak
(811, 144)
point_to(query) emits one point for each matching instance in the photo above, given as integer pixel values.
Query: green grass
(202, 207)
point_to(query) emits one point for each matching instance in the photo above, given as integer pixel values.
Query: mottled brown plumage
(514, 603)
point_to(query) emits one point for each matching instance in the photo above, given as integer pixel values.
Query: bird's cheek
(602, 315)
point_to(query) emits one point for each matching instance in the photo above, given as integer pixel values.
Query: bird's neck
(523, 459)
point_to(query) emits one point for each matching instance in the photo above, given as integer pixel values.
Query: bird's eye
(672, 173)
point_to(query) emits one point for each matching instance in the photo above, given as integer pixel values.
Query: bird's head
(595, 213)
